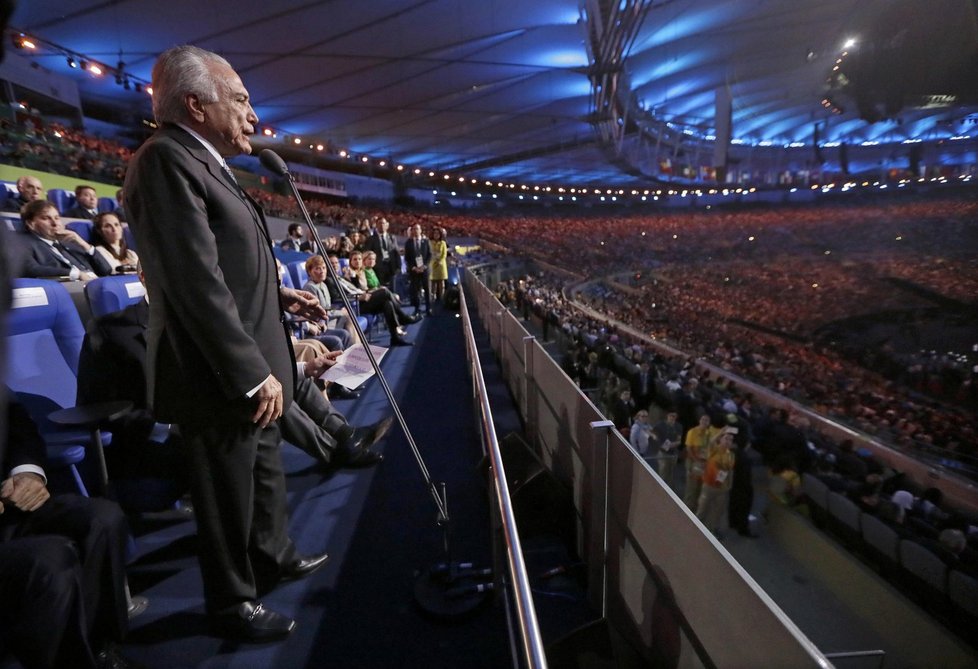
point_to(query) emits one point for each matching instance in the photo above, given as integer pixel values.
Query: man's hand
(315, 368)
(269, 401)
(26, 491)
(302, 303)
(69, 235)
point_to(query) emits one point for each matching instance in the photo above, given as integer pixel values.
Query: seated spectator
(62, 564)
(86, 204)
(29, 189)
(111, 243)
(55, 251)
(336, 318)
(295, 240)
(112, 367)
(380, 301)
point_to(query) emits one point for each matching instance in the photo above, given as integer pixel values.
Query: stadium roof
(509, 89)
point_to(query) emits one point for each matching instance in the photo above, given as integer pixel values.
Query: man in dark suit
(383, 243)
(86, 204)
(417, 257)
(62, 564)
(28, 189)
(220, 362)
(54, 250)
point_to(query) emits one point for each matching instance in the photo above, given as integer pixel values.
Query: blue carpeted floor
(377, 524)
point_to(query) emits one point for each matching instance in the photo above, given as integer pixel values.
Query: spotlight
(71, 63)
(95, 69)
(22, 41)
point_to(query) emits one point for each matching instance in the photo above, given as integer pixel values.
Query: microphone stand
(447, 588)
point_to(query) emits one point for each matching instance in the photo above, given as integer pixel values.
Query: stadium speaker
(541, 504)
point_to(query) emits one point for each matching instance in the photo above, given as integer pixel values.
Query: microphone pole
(274, 163)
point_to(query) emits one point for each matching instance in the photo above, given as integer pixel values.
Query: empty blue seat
(44, 341)
(62, 199)
(106, 204)
(113, 293)
(298, 271)
(83, 228)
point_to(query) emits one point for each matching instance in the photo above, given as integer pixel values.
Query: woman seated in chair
(376, 301)
(336, 319)
(111, 244)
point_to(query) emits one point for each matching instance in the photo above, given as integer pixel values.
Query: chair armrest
(90, 415)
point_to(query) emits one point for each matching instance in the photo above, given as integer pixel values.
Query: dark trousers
(63, 568)
(313, 424)
(418, 282)
(238, 490)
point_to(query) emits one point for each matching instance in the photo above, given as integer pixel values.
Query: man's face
(46, 224)
(229, 122)
(670, 418)
(86, 198)
(30, 189)
(416, 231)
(298, 233)
(335, 262)
(384, 225)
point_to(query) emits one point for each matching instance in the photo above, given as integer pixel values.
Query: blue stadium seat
(113, 293)
(106, 204)
(285, 257)
(298, 271)
(62, 199)
(83, 228)
(44, 341)
(128, 236)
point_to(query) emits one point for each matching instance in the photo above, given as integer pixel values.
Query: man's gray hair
(181, 71)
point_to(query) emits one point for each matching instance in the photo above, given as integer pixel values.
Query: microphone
(273, 162)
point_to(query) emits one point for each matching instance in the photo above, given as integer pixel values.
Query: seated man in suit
(62, 564)
(111, 367)
(29, 189)
(56, 251)
(86, 204)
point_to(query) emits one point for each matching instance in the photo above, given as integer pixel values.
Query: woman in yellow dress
(439, 262)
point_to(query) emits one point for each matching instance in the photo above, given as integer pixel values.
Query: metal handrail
(523, 598)
(857, 654)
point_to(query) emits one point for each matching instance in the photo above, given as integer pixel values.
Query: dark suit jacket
(414, 250)
(215, 327)
(79, 212)
(393, 263)
(42, 262)
(113, 358)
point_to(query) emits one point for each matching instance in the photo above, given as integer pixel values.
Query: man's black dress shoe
(303, 566)
(354, 452)
(250, 621)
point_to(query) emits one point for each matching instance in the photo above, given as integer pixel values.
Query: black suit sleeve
(24, 443)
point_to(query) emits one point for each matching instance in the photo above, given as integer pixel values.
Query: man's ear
(194, 107)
